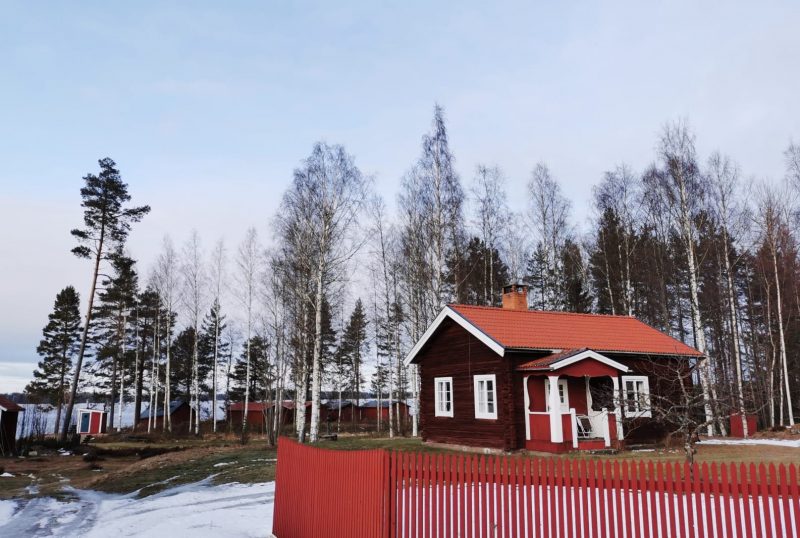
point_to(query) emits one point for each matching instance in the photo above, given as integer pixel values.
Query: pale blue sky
(207, 107)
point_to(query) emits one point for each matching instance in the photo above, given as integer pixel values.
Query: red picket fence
(401, 494)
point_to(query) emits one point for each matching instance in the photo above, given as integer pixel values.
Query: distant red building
(258, 412)
(9, 412)
(179, 416)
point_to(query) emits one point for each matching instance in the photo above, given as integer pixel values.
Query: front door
(563, 395)
(85, 417)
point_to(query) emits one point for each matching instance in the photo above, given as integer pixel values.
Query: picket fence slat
(323, 492)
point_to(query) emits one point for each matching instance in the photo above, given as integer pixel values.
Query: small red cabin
(179, 416)
(369, 409)
(510, 378)
(91, 421)
(9, 412)
(258, 412)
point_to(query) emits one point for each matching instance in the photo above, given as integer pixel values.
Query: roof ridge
(530, 311)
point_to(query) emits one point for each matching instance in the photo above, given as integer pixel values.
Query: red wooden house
(487, 373)
(9, 413)
(179, 416)
(369, 409)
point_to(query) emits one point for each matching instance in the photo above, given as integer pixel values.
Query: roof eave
(448, 312)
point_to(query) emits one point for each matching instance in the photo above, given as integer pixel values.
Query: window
(636, 394)
(443, 396)
(485, 396)
(563, 395)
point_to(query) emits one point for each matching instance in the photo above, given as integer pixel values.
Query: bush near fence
(382, 493)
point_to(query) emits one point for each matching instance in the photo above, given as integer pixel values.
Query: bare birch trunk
(782, 340)
(316, 371)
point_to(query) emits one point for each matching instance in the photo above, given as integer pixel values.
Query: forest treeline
(690, 245)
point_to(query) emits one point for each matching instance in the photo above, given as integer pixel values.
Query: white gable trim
(589, 354)
(448, 312)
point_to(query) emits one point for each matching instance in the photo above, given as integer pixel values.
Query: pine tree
(261, 372)
(575, 288)
(478, 260)
(107, 224)
(537, 279)
(212, 347)
(114, 328)
(354, 347)
(61, 338)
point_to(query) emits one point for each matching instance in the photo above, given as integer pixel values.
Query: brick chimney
(515, 297)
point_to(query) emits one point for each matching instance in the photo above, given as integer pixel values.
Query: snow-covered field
(197, 510)
(773, 442)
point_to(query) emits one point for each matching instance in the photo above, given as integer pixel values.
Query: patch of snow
(199, 510)
(773, 442)
(7, 510)
(224, 463)
(7, 475)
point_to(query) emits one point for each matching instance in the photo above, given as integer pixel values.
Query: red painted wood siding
(453, 352)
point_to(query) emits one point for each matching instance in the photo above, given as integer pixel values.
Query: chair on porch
(584, 427)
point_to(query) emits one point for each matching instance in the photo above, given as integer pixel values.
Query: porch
(583, 413)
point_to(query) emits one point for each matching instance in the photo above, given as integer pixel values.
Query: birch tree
(167, 285)
(327, 196)
(491, 218)
(194, 283)
(678, 184)
(617, 196)
(107, 222)
(723, 178)
(549, 219)
(217, 273)
(247, 264)
(772, 221)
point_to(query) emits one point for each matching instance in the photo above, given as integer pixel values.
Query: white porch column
(617, 409)
(527, 399)
(556, 430)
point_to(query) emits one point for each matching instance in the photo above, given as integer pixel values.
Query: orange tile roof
(543, 362)
(532, 329)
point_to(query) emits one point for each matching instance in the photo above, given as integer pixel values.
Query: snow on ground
(198, 510)
(774, 442)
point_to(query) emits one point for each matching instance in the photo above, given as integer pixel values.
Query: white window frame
(476, 381)
(437, 396)
(563, 390)
(642, 396)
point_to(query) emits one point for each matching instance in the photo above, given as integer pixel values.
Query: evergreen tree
(537, 279)
(261, 372)
(182, 361)
(213, 326)
(107, 224)
(61, 338)
(476, 262)
(354, 347)
(575, 288)
(114, 329)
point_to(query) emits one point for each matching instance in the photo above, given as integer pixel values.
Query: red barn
(91, 421)
(257, 413)
(511, 378)
(369, 409)
(9, 413)
(179, 416)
